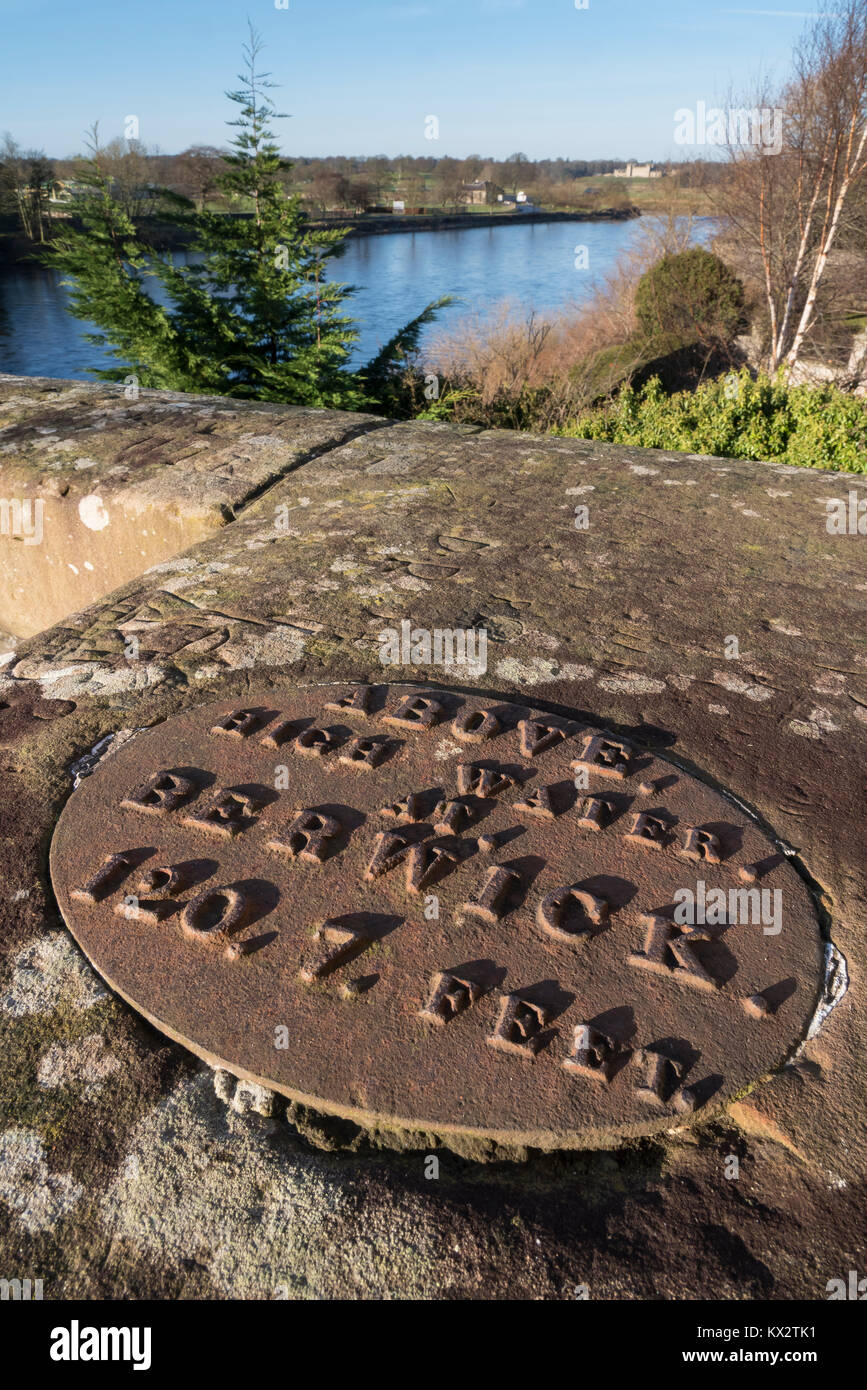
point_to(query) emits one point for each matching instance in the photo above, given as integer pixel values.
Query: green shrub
(737, 417)
(690, 297)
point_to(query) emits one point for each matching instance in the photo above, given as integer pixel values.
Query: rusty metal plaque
(418, 909)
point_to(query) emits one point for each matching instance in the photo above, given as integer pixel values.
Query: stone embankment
(194, 550)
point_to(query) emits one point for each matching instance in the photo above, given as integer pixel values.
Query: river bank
(16, 249)
(447, 222)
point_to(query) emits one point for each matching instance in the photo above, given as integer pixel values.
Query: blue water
(530, 265)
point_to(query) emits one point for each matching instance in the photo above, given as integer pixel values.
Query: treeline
(34, 187)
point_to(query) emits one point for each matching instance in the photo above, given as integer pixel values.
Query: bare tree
(197, 172)
(788, 201)
(27, 180)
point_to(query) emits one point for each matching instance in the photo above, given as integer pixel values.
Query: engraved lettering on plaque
(554, 912)
(449, 996)
(228, 814)
(757, 1007)
(686, 1099)
(410, 811)
(390, 849)
(215, 915)
(604, 755)
(315, 743)
(429, 861)
(538, 803)
(473, 779)
(365, 752)
(595, 812)
(668, 950)
(163, 792)
(518, 1026)
(281, 733)
(649, 831)
(593, 1054)
(477, 904)
(658, 1076)
(416, 712)
(307, 837)
(357, 700)
(239, 724)
(476, 725)
(339, 944)
(536, 737)
(700, 844)
(154, 892)
(491, 904)
(111, 872)
(452, 816)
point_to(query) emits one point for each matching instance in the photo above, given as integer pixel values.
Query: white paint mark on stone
(93, 512)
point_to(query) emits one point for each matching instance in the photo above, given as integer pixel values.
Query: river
(545, 266)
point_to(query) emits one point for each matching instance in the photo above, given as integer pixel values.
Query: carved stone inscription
(456, 929)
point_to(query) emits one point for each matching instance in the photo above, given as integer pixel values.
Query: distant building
(636, 171)
(480, 193)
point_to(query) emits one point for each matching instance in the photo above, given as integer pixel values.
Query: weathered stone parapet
(109, 480)
(626, 612)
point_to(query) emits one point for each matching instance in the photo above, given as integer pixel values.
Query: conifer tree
(253, 313)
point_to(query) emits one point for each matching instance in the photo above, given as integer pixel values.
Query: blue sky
(361, 76)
